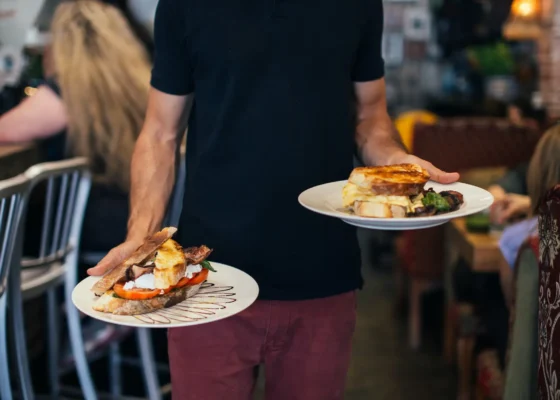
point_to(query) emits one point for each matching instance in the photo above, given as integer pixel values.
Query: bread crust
(378, 210)
(391, 180)
(109, 304)
(150, 245)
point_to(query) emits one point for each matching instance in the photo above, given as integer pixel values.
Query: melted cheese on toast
(352, 193)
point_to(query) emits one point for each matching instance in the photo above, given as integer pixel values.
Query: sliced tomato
(198, 278)
(183, 282)
(136, 293)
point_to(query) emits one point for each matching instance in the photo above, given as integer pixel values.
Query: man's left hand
(436, 174)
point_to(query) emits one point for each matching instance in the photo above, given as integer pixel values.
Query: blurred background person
(542, 174)
(92, 105)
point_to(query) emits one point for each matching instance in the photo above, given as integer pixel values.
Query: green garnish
(206, 265)
(436, 200)
(116, 296)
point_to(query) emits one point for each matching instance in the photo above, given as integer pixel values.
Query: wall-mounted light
(525, 8)
(525, 20)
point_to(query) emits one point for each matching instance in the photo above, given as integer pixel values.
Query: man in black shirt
(285, 93)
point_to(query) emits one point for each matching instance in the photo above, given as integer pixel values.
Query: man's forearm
(152, 179)
(378, 140)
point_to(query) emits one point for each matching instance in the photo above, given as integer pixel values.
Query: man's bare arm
(378, 141)
(153, 164)
(152, 174)
(376, 136)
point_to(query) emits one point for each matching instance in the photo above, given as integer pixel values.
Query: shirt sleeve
(513, 237)
(369, 65)
(172, 71)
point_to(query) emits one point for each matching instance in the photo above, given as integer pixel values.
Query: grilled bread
(379, 210)
(156, 276)
(147, 249)
(108, 303)
(390, 180)
(170, 264)
(391, 191)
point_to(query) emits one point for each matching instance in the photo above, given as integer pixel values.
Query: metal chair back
(68, 184)
(13, 199)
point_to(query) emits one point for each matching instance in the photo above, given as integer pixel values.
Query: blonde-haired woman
(97, 96)
(543, 173)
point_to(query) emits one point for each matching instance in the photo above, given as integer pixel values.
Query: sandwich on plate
(159, 274)
(395, 191)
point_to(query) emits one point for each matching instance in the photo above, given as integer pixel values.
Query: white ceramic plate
(227, 292)
(327, 200)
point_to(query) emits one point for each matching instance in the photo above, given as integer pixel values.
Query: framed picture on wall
(393, 16)
(393, 49)
(417, 24)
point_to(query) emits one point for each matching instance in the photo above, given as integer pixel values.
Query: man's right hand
(115, 257)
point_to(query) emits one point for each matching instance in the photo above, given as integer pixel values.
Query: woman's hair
(544, 168)
(103, 73)
(139, 30)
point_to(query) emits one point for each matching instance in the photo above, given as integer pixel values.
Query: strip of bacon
(195, 255)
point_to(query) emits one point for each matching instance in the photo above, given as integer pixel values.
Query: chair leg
(78, 349)
(479, 393)
(5, 387)
(53, 342)
(115, 377)
(417, 288)
(465, 348)
(146, 351)
(400, 288)
(450, 333)
(18, 326)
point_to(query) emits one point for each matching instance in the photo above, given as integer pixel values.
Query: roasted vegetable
(434, 199)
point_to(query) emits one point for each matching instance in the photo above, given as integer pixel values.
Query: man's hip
(304, 345)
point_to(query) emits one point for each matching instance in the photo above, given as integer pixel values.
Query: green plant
(492, 59)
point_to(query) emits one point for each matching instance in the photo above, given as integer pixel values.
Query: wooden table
(15, 159)
(483, 255)
(480, 250)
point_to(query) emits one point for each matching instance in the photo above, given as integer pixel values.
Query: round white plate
(227, 292)
(327, 200)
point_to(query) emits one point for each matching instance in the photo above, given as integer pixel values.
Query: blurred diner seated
(91, 105)
(493, 296)
(519, 271)
(542, 174)
(485, 290)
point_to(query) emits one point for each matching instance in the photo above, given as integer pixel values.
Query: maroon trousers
(304, 345)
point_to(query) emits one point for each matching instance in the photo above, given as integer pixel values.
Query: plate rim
(402, 223)
(139, 324)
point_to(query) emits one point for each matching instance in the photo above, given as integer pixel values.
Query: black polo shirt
(274, 114)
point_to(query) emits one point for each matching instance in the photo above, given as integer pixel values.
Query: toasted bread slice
(115, 305)
(150, 245)
(169, 255)
(390, 180)
(379, 210)
(164, 278)
(171, 264)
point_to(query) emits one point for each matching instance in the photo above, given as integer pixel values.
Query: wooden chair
(522, 357)
(456, 144)
(549, 296)
(519, 381)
